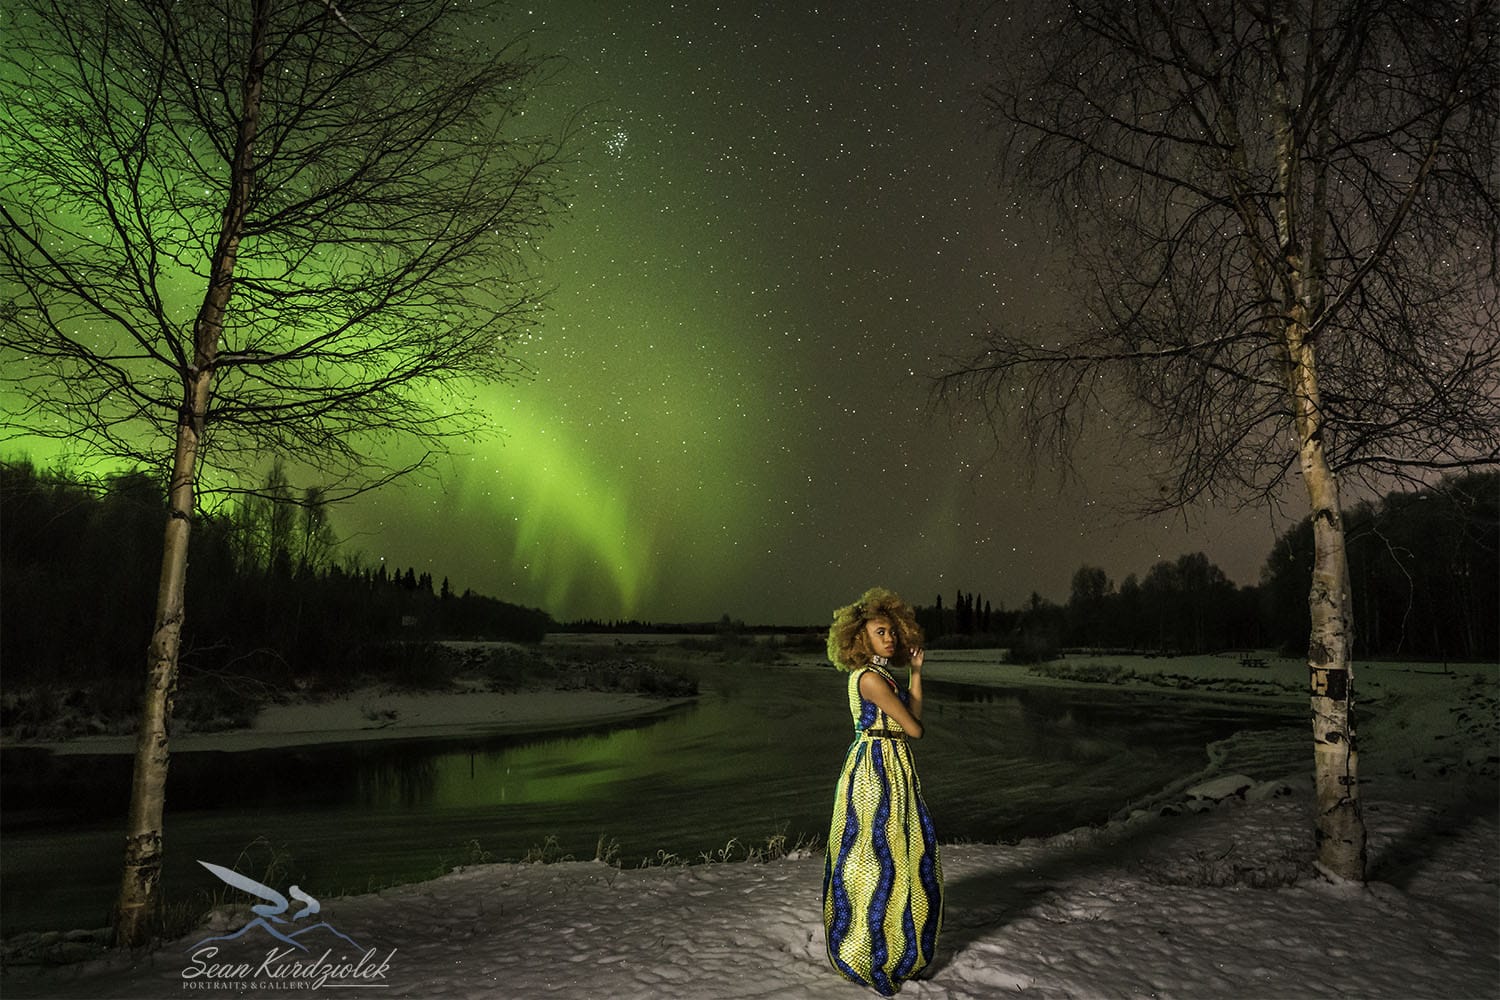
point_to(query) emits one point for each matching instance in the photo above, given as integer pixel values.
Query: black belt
(883, 734)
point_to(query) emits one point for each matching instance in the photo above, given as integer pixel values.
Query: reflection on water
(757, 754)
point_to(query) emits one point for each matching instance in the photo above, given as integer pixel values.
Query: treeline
(1185, 606)
(1425, 583)
(267, 604)
(1425, 572)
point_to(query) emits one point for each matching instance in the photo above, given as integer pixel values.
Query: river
(754, 758)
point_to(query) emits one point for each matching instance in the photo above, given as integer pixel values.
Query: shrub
(1090, 673)
(411, 666)
(1032, 647)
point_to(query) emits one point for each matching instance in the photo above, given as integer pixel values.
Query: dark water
(756, 756)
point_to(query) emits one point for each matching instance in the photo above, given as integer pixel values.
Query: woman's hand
(916, 660)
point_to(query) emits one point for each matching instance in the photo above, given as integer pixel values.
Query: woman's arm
(914, 684)
(873, 687)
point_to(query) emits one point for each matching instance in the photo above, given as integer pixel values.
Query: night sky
(783, 221)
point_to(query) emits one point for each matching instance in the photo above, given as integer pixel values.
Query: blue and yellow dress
(883, 882)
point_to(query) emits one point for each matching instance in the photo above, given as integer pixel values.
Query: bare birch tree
(236, 229)
(1284, 224)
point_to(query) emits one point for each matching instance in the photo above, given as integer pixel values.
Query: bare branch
(395, 198)
(1363, 218)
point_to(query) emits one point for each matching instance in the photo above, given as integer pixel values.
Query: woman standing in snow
(883, 882)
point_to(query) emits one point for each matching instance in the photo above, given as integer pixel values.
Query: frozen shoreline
(1214, 904)
(373, 714)
(1216, 901)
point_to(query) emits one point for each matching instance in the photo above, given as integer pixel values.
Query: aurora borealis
(782, 221)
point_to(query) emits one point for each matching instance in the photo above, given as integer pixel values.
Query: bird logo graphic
(270, 913)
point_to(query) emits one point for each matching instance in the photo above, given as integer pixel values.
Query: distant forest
(271, 607)
(268, 605)
(1425, 582)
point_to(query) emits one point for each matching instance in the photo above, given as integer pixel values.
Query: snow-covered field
(1218, 900)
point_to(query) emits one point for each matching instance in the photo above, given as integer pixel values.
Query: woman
(883, 883)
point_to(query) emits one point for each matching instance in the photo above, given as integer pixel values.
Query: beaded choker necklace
(880, 661)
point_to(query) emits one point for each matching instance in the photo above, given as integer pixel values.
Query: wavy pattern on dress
(838, 912)
(883, 883)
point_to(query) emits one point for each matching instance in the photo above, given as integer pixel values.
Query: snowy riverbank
(1211, 905)
(1209, 902)
(376, 714)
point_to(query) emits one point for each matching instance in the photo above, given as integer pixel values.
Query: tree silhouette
(1424, 572)
(1086, 603)
(1285, 229)
(246, 230)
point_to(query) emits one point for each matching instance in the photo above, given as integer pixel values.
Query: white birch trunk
(1301, 226)
(1339, 823)
(141, 876)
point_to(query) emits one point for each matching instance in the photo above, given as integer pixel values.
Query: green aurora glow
(781, 220)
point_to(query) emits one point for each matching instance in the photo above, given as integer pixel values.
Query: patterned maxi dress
(883, 882)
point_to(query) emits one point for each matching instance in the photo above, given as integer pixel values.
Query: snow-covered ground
(1217, 900)
(374, 714)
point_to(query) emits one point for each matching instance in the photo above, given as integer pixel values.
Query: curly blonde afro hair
(849, 647)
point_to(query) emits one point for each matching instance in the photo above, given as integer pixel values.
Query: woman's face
(882, 637)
